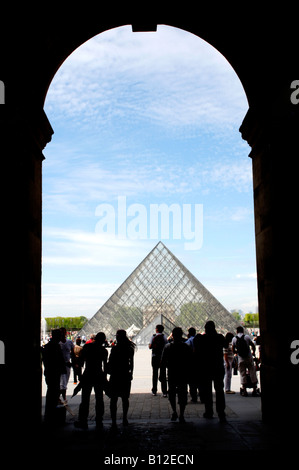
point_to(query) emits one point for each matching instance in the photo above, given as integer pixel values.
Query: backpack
(158, 344)
(242, 347)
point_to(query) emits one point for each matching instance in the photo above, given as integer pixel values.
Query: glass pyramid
(160, 290)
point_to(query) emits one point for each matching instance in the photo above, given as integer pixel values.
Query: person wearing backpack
(157, 344)
(242, 345)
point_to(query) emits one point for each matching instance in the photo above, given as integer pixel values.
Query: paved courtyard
(151, 432)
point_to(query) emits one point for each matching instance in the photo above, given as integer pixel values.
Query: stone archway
(270, 127)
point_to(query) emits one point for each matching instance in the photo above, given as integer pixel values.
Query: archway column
(25, 132)
(273, 138)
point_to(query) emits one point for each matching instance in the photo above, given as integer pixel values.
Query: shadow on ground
(151, 433)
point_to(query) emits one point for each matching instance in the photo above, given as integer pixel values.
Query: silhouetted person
(177, 358)
(242, 345)
(120, 368)
(208, 350)
(94, 355)
(258, 349)
(91, 339)
(228, 362)
(54, 366)
(67, 348)
(193, 386)
(157, 344)
(77, 361)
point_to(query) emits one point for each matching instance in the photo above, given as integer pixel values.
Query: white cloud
(68, 247)
(171, 77)
(235, 294)
(75, 298)
(78, 190)
(113, 105)
(232, 175)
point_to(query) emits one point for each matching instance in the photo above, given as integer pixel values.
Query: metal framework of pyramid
(159, 290)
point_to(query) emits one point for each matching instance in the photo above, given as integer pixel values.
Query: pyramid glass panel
(159, 290)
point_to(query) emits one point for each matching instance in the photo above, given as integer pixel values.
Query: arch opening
(90, 106)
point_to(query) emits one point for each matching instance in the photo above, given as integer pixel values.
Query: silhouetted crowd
(197, 362)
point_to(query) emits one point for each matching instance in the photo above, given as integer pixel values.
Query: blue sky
(145, 119)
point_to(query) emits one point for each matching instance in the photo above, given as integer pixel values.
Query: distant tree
(236, 315)
(251, 320)
(70, 323)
